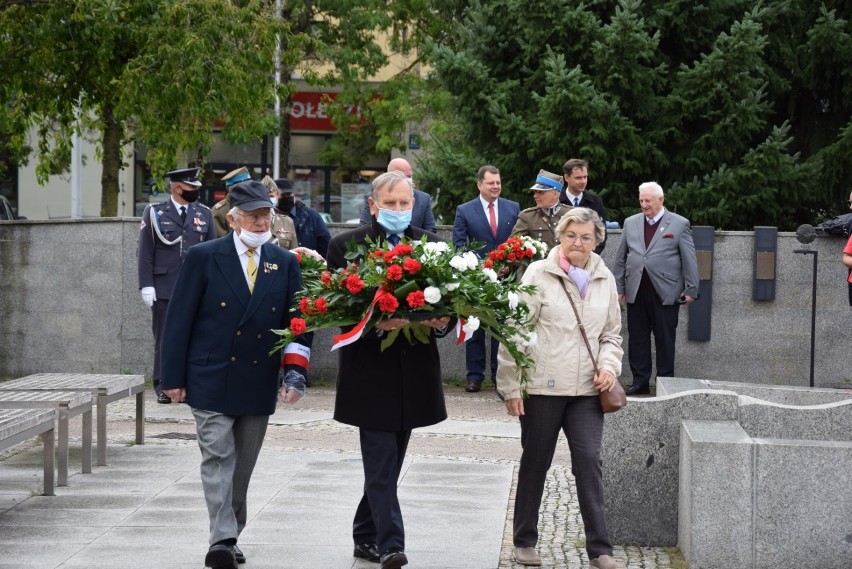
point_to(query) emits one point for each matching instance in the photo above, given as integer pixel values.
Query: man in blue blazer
(655, 272)
(421, 215)
(230, 293)
(487, 219)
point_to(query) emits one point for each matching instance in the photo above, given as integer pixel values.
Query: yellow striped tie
(252, 268)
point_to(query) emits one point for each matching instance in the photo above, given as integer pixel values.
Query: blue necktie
(576, 202)
(393, 239)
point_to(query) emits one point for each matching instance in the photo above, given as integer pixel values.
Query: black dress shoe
(394, 559)
(164, 399)
(473, 386)
(220, 557)
(239, 555)
(636, 390)
(367, 551)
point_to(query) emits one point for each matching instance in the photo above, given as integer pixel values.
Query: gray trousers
(229, 450)
(581, 419)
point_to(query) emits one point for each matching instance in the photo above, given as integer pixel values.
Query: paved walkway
(145, 508)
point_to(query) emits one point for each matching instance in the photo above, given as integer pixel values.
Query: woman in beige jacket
(563, 388)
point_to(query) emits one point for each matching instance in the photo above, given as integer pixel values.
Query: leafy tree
(157, 71)
(739, 108)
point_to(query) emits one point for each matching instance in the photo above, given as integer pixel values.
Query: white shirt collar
(657, 217)
(241, 247)
(485, 203)
(177, 205)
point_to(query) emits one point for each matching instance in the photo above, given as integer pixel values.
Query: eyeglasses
(585, 239)
(257, 217)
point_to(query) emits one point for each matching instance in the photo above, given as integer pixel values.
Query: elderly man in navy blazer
(655, 272)
(230, 293)
(487, 219)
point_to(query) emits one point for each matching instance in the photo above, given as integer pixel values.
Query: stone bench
(103, 388)
(67, 404)
(19, 425)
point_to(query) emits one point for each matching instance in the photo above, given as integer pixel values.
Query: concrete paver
(146, 507)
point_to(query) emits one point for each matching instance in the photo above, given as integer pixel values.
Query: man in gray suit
(655, 271)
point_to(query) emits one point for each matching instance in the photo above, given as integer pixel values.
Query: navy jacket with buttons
(218, 336)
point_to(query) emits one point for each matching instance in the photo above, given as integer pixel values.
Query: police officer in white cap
(168, 229)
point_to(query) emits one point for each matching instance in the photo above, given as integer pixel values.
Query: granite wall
(69, 302)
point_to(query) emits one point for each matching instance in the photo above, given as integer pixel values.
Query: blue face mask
(394, 221)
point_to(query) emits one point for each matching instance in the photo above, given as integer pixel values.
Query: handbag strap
(579, 323)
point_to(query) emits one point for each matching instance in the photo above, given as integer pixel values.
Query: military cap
(270, 184)
(241, 174)
(249, 196)
(284, 184)
(547, 181)
(186, 176)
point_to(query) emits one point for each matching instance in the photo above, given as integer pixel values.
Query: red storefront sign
(308, 111)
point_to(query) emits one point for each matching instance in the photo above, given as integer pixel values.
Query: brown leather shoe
(606, 562)
(527, 556)
(473, 386)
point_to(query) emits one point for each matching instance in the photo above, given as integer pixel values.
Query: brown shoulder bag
(615, 398)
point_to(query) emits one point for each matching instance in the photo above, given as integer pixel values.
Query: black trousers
(475, 356)
(581, 419)
(378, 518)
(158, 322)
(646, 316)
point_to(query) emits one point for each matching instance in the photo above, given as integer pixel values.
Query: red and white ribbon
(297, 354)
(355, 333)
(461, 335)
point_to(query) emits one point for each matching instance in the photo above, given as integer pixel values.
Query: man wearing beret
(230, 293)
(168, 229)
(540, 222)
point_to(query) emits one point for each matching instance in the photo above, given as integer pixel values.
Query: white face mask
(255, 240)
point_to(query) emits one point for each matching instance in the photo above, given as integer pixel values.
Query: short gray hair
(582, 215)
(653, 187)
(388, 180)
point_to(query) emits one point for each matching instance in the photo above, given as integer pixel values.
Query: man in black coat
(230, 294)
(576, 175)
(387, 393)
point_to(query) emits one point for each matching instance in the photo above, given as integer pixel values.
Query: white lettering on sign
(308, 110)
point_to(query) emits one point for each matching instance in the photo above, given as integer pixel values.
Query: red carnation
(354, 284)
(305, 306)
(325, 277)
(415, 299)
(297, 326)
(411, 265)
(321, 305)
(488, 264)
(388, 303)
(298, 257)
(394, 273)
(403, 249)
(389, 256)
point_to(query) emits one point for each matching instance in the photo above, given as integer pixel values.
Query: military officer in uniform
(540, 222)
(283, 229)
(220, 208)
(167, 230)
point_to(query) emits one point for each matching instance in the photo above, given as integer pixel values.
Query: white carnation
(459, 263)
(490, 274)
(437, 247)
(471, 259)
(432, 294)
(452, 286)
(471, 326)
(513, 300)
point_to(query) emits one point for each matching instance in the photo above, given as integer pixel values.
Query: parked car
(7, 213)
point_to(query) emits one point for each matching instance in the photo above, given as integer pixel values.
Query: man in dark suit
(168, 229)
(655, 272)
(311, 230)
(230, 293)
(487, 219)
(421, 214)
(386, 393)
(576, 175)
